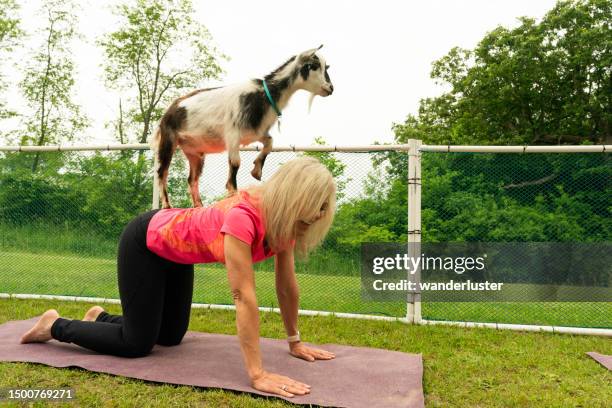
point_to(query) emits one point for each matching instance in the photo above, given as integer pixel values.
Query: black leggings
(155, 298)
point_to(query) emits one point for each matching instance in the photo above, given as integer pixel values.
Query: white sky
(380, 55)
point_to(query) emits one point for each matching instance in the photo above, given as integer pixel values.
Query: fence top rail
(364, 148)
(254, 148)
(518, 149)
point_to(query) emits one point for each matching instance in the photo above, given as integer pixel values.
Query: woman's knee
(137, 350)
(171, 339)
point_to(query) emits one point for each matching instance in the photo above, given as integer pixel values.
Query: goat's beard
(310, 99)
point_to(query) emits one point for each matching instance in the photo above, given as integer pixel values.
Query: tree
(539, 83)
(10, 32)
(333, 164)
(49, 80)
(112, 189)
(9, 25)
(158, 52)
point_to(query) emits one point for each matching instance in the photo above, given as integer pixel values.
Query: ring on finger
(284, 387)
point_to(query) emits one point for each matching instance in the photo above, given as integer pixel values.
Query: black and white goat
(215, 119)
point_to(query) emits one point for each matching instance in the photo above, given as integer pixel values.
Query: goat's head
(312, 73)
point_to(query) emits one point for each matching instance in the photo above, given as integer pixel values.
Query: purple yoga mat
(357, 377)
(602, 359)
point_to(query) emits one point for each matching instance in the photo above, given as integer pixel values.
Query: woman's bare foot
(41, 331)
(92, 314)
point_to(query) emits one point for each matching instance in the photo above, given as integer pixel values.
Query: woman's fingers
(293, 386)
(304, 355)
(299, 390)
(272, 388)
(277, 389)
(281, 385)
(323, 355)
(291, 382)
(312, 354)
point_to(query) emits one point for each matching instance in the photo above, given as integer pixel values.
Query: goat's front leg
(261, 158)
(233, 155)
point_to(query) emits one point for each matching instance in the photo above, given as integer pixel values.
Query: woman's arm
(288, 295)
(239, 266)
(242, 283)
(287, 291)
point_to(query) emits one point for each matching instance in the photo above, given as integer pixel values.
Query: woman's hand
(279, 384)
(300, 350)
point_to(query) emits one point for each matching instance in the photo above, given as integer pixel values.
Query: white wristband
(293, 339)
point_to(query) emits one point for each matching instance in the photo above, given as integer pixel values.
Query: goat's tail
(154, 142)
(163, 144)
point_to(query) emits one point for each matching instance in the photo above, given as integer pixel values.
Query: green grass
(57, 239)
(48, 238)
(48, 273)
(462, 367)
(42, 273)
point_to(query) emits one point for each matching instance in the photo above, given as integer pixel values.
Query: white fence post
(155, 204)
(414, 227)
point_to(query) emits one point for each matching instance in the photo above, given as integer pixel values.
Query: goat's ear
(306, 55)
(314, 50)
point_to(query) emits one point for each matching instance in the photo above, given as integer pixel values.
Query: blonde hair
(298, 191)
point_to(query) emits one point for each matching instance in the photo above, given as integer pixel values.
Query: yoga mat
(602, 359)
(357, 377)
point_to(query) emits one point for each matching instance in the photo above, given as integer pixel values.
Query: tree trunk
(43, 125)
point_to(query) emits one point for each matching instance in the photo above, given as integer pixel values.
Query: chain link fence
(515, 197)
(60, 225)
(61, 214)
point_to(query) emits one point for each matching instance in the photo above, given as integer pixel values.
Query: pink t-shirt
(195, 235)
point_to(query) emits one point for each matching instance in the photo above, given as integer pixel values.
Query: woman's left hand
(300, 350)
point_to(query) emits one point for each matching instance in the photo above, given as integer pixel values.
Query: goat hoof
(256, 175)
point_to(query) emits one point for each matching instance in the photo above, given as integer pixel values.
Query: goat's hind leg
(261, 158)
(233, 156)
(165, 151)
(196, 163)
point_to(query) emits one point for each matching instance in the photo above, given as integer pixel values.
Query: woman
(289, 213)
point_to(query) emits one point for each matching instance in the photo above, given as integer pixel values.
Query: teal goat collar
(265, 86)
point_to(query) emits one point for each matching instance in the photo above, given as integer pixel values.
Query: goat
(215, 119)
